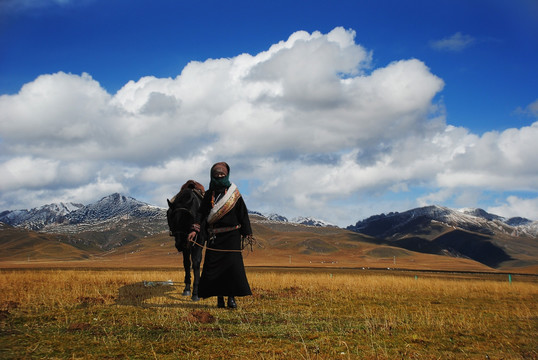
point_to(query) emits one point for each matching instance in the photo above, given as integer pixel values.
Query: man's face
(219, 172)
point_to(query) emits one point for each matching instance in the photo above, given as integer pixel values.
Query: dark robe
(223, 272)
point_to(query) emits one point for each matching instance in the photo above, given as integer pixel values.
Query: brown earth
(293, 246)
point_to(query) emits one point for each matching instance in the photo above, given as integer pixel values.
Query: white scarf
(224, 204)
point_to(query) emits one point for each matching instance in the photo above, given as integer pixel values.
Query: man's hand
(191, 236)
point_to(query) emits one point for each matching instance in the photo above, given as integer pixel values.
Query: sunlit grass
(100, 314)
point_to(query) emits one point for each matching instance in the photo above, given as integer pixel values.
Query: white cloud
(533, 108)
(100, 187)
(58, 115)
(27, 172)
(454, 43)
(530, 110)
(9, 6)
(308, 127)
(495, 161)
(515, 206)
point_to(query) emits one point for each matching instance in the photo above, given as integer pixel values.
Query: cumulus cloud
(27, 172)
(454, 43)
(514, 206)
(308, 126)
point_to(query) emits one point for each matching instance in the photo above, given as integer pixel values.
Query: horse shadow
(153, 294)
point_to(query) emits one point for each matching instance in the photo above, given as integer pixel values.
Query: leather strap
(223, 229)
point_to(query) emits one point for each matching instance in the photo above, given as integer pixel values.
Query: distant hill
(430, 237)
(37, 218)
(113, 221)
(471, 233)
(26, 245)
(281, 244)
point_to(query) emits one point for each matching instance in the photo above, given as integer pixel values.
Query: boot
(220, 302)
(231, 302)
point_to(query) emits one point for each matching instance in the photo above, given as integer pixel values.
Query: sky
(334, 110)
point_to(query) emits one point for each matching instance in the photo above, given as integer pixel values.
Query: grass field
(293, 314)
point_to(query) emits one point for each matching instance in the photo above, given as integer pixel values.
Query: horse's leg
(187, 267)
(196, 254)
(180, 246)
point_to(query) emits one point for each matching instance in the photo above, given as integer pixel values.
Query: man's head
(220, 173)
(220, 170)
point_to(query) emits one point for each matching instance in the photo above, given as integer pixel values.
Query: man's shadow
(141, 294)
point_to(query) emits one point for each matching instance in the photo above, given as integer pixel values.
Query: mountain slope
(111, 222)
(28, 246)
(278, 244)
(294, 245)
(422, 237)
(471, 233)
(112, 206)
(38, 218)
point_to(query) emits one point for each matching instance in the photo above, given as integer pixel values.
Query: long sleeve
(203, 211)
(242, 216)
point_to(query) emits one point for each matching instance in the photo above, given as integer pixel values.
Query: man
(224, 213)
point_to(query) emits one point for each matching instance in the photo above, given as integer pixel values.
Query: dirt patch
(88, 300)
(9, 305)
(4, 314)
(78, 326)
(201, 316)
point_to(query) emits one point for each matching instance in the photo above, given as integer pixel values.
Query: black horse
(180, 215)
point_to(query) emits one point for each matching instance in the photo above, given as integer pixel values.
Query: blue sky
(338, 110)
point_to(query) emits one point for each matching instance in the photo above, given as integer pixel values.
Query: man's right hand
(191, 236)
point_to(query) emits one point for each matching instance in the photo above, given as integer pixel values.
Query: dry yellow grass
(293, 314)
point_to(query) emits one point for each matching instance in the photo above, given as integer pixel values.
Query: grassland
(293, 314)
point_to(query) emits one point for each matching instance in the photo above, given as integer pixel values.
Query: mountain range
(473, 233)
(59, 217)
(477, 220)
(118, 221)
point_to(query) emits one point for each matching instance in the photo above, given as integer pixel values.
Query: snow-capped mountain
(112, 206)
(65, 217)
(50, 216)
(310, 221)
(276, 217)
(117, 220)
(476, 220)
(382, 226)
(470, 233)
(39, 217)
(481, 214)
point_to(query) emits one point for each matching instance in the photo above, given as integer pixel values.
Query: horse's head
(182, 208)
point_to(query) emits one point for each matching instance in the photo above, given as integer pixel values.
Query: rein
(245, 240)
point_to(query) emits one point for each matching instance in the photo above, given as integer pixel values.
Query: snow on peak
(108, 207)
(37, 218)
(277, 217)
(310, 221)
(470, 219)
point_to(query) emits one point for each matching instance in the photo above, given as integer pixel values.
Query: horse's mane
(191, 184)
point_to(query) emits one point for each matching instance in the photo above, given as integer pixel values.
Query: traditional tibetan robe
(225, 215)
